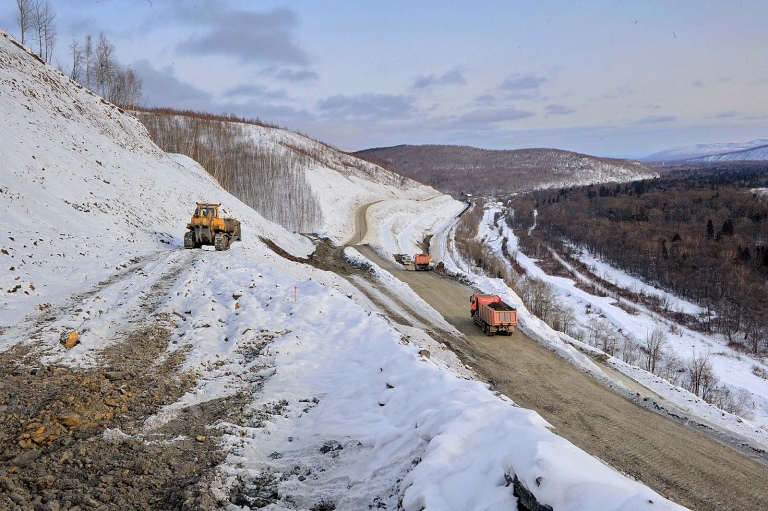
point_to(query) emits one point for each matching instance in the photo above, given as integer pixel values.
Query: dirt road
(678, 462)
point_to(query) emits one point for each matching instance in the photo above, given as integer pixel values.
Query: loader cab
(206, 211)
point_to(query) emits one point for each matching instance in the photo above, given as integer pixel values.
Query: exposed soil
(76, 438)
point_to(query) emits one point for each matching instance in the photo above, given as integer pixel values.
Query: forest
(700, 232)
(271, 180)
(458, 170)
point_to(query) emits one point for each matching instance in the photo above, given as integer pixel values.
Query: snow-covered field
(732, 368)
(93, 217)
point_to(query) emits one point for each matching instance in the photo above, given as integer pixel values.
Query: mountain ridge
(719, 151)
(465, 169)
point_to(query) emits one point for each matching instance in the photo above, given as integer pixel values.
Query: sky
(602, 77)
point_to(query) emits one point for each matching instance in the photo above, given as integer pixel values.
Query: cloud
(162, 88)
(559, 110)
(366, 106)
(494, 115)
(244, 35)
(453, 77)
(253, 91)
(522, 82)
(299, 76)
(728, 115)
(656, 119)
(486, 99)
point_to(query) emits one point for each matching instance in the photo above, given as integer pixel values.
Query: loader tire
(189, 240)
(221, 241)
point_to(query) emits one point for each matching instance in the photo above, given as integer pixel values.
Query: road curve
(681, 464)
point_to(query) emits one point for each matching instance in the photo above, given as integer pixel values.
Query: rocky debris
(74, 439)
(500, 306)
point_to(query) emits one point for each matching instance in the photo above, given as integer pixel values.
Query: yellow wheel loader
(207, 228)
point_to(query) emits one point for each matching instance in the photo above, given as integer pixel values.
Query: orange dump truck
(421, 262)
(492, 314)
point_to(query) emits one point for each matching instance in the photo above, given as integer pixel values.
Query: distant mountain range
(457, 169)
(754, 150)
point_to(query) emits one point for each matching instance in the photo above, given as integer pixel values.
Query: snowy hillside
(226, 380)
(759, 153)
(289, 178)
(331, 170)
(83, 187)
(712, 152)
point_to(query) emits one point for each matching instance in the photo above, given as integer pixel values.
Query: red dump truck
(492, 314)
(421, 262)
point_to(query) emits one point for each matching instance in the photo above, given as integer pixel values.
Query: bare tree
(105, 63)
(701, 378)
(49, 40)
(78, 59)
(43, 17)
(88, 57)
(124, 87)
(654, 346)
(24, 16)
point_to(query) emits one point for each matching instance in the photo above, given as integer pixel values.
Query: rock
(200, 438)
(17, 499)
(70, 340)
(70, 419)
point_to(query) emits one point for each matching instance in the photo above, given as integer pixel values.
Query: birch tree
(24, 17)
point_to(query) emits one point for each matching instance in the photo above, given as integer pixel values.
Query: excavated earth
(77, 439)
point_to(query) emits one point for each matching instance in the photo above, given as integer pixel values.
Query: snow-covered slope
(93, 215)
(82, 186)
(703, 152)
(329, 170)
(759, 153)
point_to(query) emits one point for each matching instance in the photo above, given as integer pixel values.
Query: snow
(400, 226)
(701, 151)
(755, 154)
(93, 217)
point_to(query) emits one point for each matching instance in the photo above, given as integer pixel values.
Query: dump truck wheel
(221, 241)
(189, 239)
